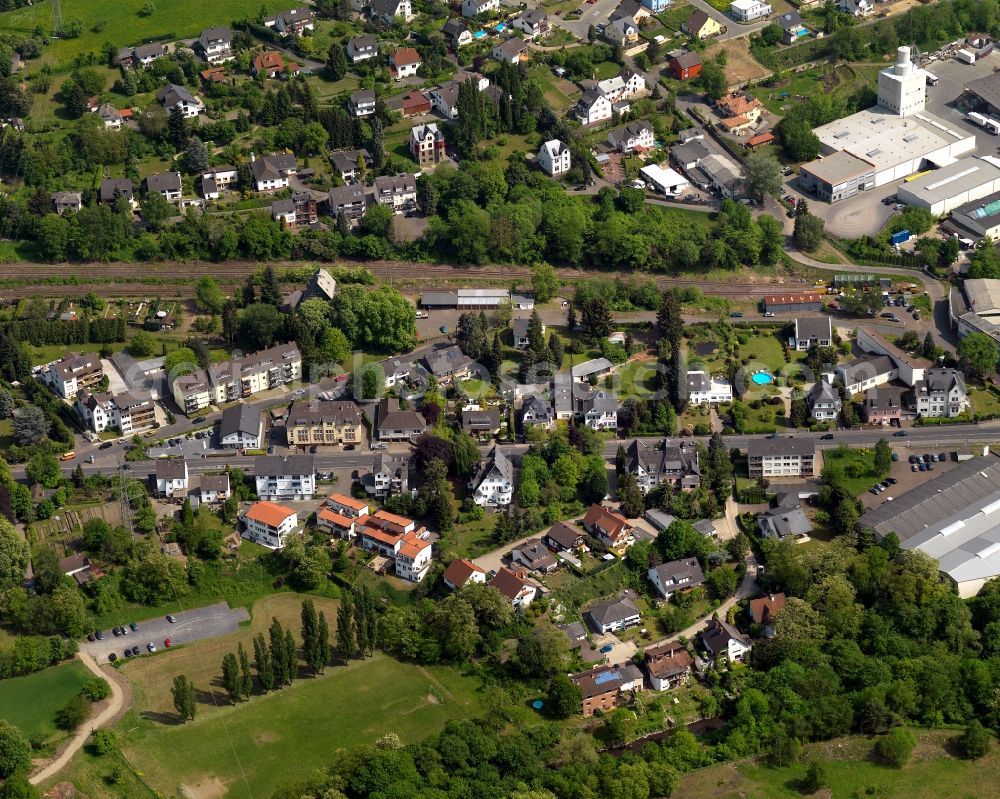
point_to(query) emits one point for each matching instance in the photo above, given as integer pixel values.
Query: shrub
(96, 689)
(974, 742)
(102, 742)
(73, 713)
(896, 747)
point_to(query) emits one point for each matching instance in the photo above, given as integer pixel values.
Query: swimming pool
(762, 378)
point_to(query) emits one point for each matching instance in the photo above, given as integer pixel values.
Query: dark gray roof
(495, 460)
(346, 195)
(478, 421)
(938, 381)
(811, 327)
(276, 465)
(691, 152)
(112, 186)
(687, 59)
(564, 535)
(347, 160)
(447, 361)
(785, 520)
(717, 635)
(172, 94)
(790, 20)
(668, 458)
(687, 571)
(533, 16)
(781, 445)
(389, 415)
(538, 407)
(167, 181)
(867, 368)
(170, 468)
(362, 96)
(613, 610)
(220, 33)
(366, 42)
(454, 27)
(318, 411)
(823, 392)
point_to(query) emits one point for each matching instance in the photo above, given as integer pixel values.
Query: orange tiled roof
(327, 515)
(404, 56)
(269, 513)
(389, 539)
(348, 502)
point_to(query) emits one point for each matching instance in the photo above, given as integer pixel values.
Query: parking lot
(190, 625)
(905, 478)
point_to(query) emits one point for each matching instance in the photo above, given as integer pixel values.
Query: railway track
(133, 278)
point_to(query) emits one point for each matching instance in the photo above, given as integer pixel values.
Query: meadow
(31, 702)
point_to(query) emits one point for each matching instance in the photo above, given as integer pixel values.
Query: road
(116, 704)
(210, 621)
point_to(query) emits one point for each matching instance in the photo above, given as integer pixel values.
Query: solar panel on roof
(604, 677)
(987, 210)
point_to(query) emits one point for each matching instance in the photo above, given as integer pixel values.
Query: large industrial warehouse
(949, 187)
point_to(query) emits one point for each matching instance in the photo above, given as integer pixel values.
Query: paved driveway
(621, 651)
(492, 561)
(191, 625)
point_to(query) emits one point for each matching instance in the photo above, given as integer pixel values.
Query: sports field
(119, 21)
(31, 702)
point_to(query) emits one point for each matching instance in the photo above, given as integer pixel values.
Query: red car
(167, 642)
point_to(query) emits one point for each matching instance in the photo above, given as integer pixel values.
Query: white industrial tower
(902, 88)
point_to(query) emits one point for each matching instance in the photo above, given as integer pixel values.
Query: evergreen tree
(496, 356)
(556, 350)
(630, 497)
(343, 224)
(377, 148)
(184, 697)
(571, 318)
(231, 676)
(270, 289)
(229, 320)
(621, 459)
(720, 468)
(668, 317)
(176, 127)
(310, 633)
(346, 641)
(336, 62)
(322, 648)
(246, 679)
(262, 661)
(291, 657)
(596, 320)
(929, 345)
(279, 657)
(249, 294)
(360, 623)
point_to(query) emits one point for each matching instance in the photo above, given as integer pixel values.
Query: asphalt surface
(191, 625)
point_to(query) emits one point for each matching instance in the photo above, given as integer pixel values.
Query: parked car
(913, 467)
(106, 445)
(167, 643)
(90, 637)
(116, 631)
(198, 420)
(899, 434)
(826, 437)
(913, 459)
(151, 646)
(171, 618)
(133, 626)
(736, 315)
(112, 657)
(768, 314)
(891, 480)
(99, 635)
(922, 467)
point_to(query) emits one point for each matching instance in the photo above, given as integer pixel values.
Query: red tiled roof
(269, 513)
(404, 56)
(327, 515)
(389, 539)
(763, 610)
(348, 502)
(412, 545)
(760, 138)
(611, 522)
(509, 582)
(267, 61)
(460, 570)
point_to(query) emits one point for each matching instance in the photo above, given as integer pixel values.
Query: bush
(817, 777)
(896, 747)
(73, 713)
(96, 689)
(102, 742)
(974, 742)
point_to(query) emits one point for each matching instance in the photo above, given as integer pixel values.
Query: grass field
(250, 750)
(555, 90)
(931, 773)
(31, 702)
(860, 461)
(171, 19)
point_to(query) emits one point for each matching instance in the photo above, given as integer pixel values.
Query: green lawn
(31, 702)
(984, 402)
(637, 379)
(554, 95)
(857, 465)
(118, 21)
(468, 540)
(931, 773)
(252, 749)
(593, 586)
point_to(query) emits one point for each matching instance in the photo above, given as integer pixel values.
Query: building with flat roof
(954, 518)
(980, 217)
(838, 176)
(981, 311)
(781, 456)
(986, 89)
(954, 185)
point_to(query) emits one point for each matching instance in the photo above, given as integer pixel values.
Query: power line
(57, 21)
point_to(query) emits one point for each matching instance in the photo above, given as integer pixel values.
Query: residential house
(269, 524)
(791, 303)
(71, 373)
(625, 85)
(475, 8)
(397, 191)
(623, 31)
(656, 6)
(427, 144)
(703, 389)
(171, 477)
(942, 392)
(701, 25)
(110, 116)
(129, 411)
(634, 137)
(597, 409)
(593, 107)
(632, 10)
(141, 56)
(361, 48)
(533, 23)
(510, 51)
(323, 422)
(215, 75)
(483, 423)
(493, 484)
(394, 424)
(361, 103)
(296, 211)
(536, 410)
(391, 11)
(823, 401)
(174, 96)
(456, 33)
(786, 518)
(413, 103)
(605, 687)
(749, 10)
(677, 575)
(461, 572)
(293, 22)
(868, 372)
(670, 463)
(216, 45)
(685, 65)
(765, 609)
(563, 537)
(613, 615)
(760, 140)
(856, 8)
(444, 98)
(449, 364)
(910, 369)
(343, 516)
(113, 188)
(810, 331)
(608, 527)
(271, 172)
(562, 395)
(535, 556)
(513, 585)
(519, 328)
(668, 665)
(883, 405)
(349, 200)
(592, 369)
(209, 489)
(291, 477)
(168, 184)
(78, 567)
(242, 377)
(659, 519)
(722, 639)
(413, 558)
(63, 201)
(781, 456)
(554, 157)
(390, 475)
(689, 154)
(404, 63)
(242, 427)
(346, 162)
(218, 179)
(791, 26)
(399, 372)
(399, 539)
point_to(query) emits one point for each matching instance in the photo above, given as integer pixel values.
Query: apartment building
(269, 524)
(314, 422)
(427, 144)
(781, 456)
(291, 477)
(400, 540)
(129, 411)
(70, 374)
(671, 463)
(942, 392)
(243, 377)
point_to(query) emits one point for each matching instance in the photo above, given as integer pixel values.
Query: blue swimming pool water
(762, 378)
